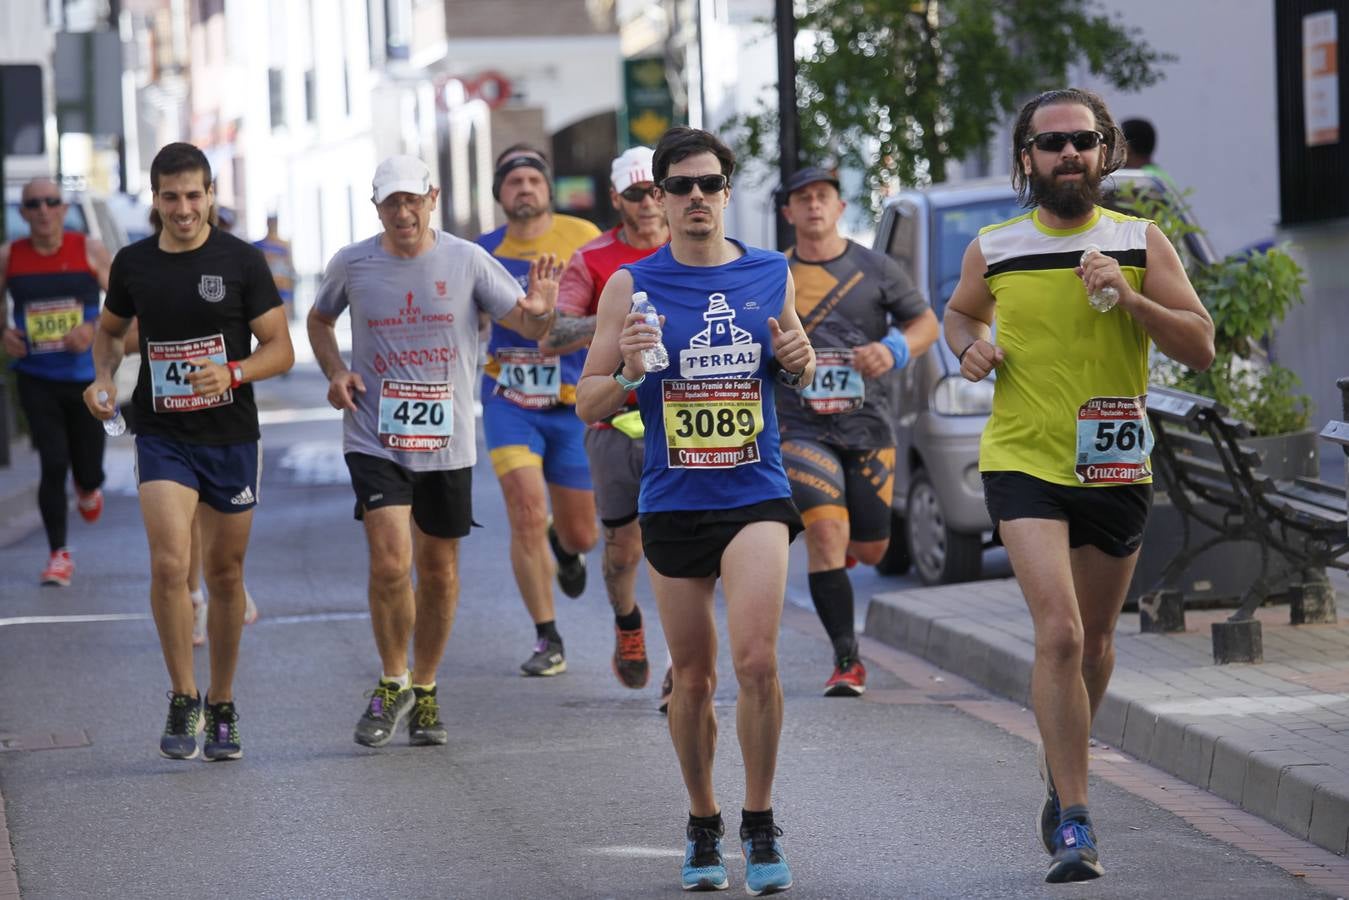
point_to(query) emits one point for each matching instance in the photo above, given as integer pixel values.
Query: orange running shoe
(630, 663)
(849, 679)
(59, 569)
(90, 504)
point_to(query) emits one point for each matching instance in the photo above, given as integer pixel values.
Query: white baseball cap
(633, 167)
(405, 174)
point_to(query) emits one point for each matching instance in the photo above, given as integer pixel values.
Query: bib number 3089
(1113, 440)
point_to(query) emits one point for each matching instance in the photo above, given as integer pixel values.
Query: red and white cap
(633, 167)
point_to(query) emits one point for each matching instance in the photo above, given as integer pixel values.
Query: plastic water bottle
(117, 424)
(1101, 299)
(654, 359)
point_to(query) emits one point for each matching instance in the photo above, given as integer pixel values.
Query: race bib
(837, 387)
(1113, 440)
(528, 378)
(415, 416)
(712, 423)
(169, 368)
(47, 323)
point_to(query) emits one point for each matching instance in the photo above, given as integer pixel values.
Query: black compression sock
(547, 630)
(831, 592)
(711, 822)
(631, 622)
(758, 819)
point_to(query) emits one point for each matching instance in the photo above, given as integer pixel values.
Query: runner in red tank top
(614, 447)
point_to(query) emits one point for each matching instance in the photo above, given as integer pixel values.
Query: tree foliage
(898, 88)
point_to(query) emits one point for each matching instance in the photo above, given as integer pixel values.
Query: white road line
(62, 620)
(638, 852)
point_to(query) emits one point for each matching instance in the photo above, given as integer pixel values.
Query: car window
(16, 227)
(953, 228)
(903, 244)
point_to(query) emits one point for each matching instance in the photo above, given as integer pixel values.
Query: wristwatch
(623, 382)
(236, 373)
(791, 379)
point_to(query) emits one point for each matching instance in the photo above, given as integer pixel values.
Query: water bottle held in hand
(1102, 299)
(117, 424)
(655, 359)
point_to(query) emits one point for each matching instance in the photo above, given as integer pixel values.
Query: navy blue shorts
(226, 477)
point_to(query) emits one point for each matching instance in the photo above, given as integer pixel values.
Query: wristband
(623, 382)
(236, 373)
(898, 346)
(960, 358)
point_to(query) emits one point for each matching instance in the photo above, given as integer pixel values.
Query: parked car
(940, 526)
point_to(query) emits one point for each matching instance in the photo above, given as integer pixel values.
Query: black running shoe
(179, 740)
(389, 705)
(1075, 856)
(222, 732)
(666, 689)
(548, 659)
(1049, 807)
(571, 567)
(629, 660)
(425, 728)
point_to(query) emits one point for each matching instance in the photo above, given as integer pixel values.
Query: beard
(525, 209)
(1066, 199)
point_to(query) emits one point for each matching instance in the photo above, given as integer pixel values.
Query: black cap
(802, 177)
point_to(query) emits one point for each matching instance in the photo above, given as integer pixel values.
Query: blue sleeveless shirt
(711, 424)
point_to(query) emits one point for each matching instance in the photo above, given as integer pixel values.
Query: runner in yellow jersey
(1064, 456)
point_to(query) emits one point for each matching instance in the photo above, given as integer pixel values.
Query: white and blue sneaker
(1049, 807)
(766, 869)
(704, 867)
(1075, 856)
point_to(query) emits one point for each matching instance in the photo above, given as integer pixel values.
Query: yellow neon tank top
(1072, 379)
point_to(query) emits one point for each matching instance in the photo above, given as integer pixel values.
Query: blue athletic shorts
(226, 477)
(551, 438)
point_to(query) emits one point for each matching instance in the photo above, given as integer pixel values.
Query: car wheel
(896, 560)
(940, 555)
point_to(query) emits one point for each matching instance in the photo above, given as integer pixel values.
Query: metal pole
(788, 126)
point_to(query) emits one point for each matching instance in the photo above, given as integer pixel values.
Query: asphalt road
(563, 787)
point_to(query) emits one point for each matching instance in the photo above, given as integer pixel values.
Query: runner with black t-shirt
(201, 296)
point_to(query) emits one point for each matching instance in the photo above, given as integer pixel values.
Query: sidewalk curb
(1248, 766)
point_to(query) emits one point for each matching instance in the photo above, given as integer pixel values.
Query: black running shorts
(1109, 518)
(689, 543)
(854, 486)
(441, 500)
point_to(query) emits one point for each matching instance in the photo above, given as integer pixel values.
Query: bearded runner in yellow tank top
(1064, 456)
(1068, 403)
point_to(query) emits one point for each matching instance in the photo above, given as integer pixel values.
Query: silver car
(940, 525)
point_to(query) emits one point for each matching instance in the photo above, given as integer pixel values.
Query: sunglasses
(36, 202)
(679, 185)
(637, 194)
(1054, 141)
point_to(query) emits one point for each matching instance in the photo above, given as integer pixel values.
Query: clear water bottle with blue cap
(117, 424)
(655, 358)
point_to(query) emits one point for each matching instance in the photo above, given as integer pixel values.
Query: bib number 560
(1123, 436)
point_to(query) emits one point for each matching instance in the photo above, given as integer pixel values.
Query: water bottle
(655, 359)
(117, 424)
(1101, 299)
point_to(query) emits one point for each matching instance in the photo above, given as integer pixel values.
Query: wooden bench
(1300, 525)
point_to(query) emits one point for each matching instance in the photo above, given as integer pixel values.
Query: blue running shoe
(1075, 857)
(766, 869)
(222, 732)
(1049, 809)
(179, 740)
(704, 867)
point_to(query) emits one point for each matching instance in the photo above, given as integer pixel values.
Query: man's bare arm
(568, 334)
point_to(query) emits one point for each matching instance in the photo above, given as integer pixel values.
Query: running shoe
(389, 705)
(198, 618)
(425, 728)
(704, 867)
(849, 679)
(90, 504)
(222, 732)
(1075, 857)
(630, 663)
(250, 608)
(184, 723)
(1049, 809)
(60, 569)
(571, 567)
(766, 869)
(548, 659)
(666, 689)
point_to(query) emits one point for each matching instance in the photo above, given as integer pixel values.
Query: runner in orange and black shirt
(838, 440)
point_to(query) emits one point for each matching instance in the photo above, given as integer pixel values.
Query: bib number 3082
(1113, 440)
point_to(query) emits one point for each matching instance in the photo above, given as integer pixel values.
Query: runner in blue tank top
(715, 501)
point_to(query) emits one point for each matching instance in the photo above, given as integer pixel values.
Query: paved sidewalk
(18, 493)
(1272, 738)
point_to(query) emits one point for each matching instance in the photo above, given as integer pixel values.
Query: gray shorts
(616, 472)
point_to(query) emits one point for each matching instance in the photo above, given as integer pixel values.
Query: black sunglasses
(35, 202)
(1054, 141)
(637, 194)
(679, 185)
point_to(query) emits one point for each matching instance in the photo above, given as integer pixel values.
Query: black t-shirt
(192, 304)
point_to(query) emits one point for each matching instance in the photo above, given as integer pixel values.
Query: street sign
(647, 100)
